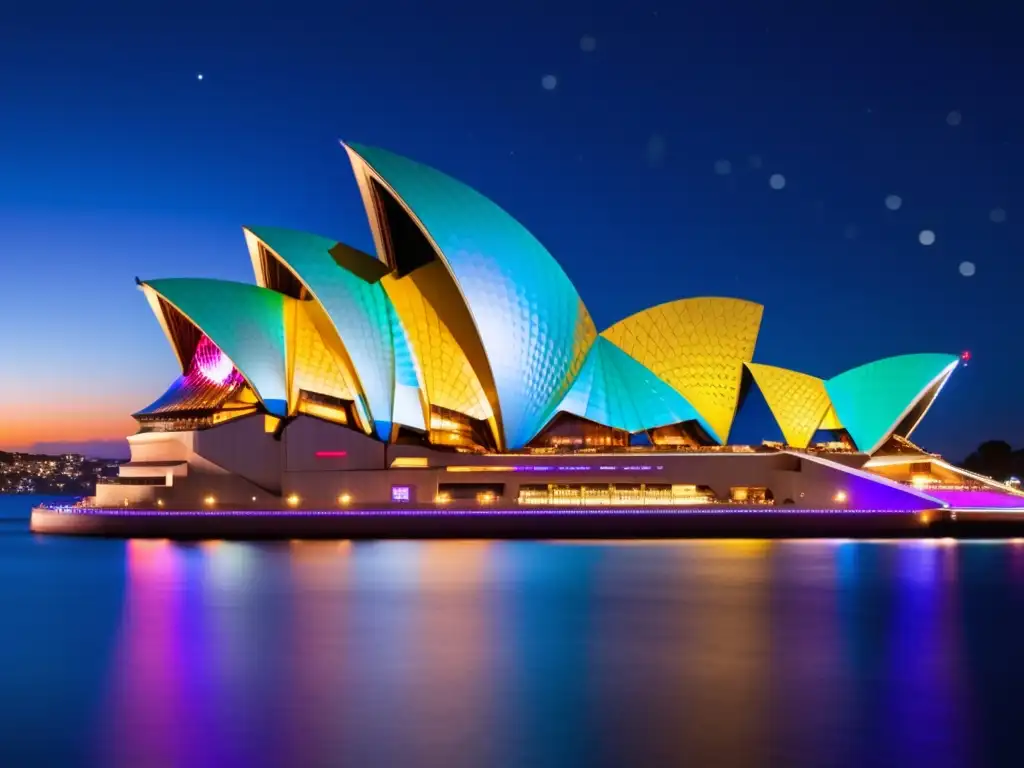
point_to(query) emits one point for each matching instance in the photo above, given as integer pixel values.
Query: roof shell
(245, 321)
(615, 390)
(314, 360)
(697, 346)
(797, 400)
(530, 320)
(872, 399)
(410, 405)
(359, 310)
(448, 376)
(521, 345)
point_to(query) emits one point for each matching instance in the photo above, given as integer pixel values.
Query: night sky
(638, 141)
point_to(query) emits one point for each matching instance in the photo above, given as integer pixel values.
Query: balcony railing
(133, 481)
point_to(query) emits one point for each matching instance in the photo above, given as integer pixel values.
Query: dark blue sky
(118, 161)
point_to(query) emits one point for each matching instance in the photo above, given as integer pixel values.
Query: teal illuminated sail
(873, 399)
(245, 321)
(530, 320)
(615, 390)
(359, 309)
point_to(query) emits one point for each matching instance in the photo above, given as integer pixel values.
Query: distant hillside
(996, 459)
(93, 449)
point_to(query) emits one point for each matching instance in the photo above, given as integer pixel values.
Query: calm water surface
(826, 653)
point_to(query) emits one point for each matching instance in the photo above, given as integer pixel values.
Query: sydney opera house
(459, 369)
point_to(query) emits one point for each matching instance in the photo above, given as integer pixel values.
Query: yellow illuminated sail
(698, 347)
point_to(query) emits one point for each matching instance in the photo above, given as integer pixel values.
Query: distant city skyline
(51, 474)
(861, 180)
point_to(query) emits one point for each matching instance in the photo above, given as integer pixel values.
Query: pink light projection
(966, 500)
(212, 364)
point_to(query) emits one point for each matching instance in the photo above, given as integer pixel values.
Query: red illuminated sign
(331, 454)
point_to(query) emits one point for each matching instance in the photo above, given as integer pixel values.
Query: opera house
(459, 370)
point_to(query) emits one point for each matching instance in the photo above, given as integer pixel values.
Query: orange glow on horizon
(26, 425)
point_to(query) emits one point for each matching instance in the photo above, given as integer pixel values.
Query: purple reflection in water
(512, 653)
(476, 653)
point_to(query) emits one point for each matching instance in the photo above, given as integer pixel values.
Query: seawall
(516, 523)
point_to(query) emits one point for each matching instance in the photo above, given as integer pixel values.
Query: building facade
(460, 366)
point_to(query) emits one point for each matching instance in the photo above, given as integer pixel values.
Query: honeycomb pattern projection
(408, 406)
(872, 399)
(656, 403)
(448, 377)
(358, 310)
(314, 368)
(615, 390)
(245, 321)
(532, 324)
(698, 347)
(797, 401)
(589, 396)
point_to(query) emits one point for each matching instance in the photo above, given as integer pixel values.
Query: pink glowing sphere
(212, 364)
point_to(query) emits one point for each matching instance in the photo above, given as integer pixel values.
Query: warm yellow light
(159, 502)
(410, 462)
(486, 497)
(707, 373)
(325, 412)
(344, 498)
(442, 498)
(293, 500)
(210, 501)
(478, 468)
(840, 497)
(449, 378)
(799, 402)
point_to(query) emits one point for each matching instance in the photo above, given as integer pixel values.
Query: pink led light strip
(523, 512)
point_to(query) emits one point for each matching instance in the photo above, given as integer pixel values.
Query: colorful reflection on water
(521, 654)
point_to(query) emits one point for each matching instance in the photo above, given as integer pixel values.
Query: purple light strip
(574, 468)
(521, 512)
(978, 499)
(1005, 510)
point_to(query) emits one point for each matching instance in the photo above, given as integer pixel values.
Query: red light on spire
(965, 356)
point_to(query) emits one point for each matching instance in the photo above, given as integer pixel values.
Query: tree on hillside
(997, 459)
